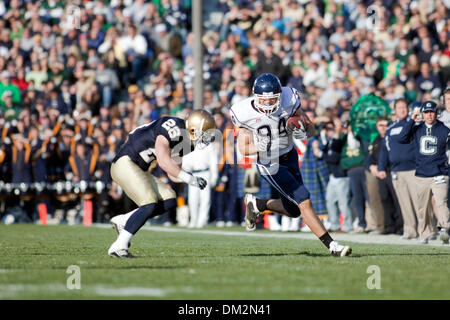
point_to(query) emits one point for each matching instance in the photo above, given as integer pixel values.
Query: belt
(197, 171)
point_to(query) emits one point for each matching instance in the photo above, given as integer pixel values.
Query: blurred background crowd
(70, 93)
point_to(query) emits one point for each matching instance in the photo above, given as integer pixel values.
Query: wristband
(185, 177)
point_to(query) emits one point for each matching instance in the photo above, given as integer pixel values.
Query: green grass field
(190, 265)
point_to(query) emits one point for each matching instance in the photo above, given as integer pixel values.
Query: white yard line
(17, 289)
(358, 238)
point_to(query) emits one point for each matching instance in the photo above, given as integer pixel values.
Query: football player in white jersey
(263, 132)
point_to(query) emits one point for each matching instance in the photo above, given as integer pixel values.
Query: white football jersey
(245, 115)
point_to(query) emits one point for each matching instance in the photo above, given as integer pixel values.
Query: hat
(429, 106)
(133, 88)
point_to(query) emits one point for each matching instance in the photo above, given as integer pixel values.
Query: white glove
(263, 144)
(193, 181)
(300, 133)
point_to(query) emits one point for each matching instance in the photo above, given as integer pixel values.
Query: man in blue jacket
(430, 137)
(400, 160)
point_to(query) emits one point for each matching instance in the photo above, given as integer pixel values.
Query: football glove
(192, 180)
(300, 133)
(200, 183)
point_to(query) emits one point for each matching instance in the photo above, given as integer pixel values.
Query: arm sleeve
(236, 121)
(296, 102)
(405, 136)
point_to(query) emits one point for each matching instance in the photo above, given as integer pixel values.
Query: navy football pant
(287, 180)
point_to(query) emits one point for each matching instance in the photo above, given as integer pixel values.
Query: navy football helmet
(267, 92)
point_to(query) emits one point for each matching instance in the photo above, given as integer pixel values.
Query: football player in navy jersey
(166, 141)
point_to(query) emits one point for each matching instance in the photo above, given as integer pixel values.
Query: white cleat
(251, 212)
(443, 236)
(118, 252)
(118, 222)
(338, 250)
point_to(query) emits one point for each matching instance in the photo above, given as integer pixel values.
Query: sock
(261, 205)
(139, 217)
(326, 239)
(124, 238)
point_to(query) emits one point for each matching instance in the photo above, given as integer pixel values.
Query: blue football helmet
(267, 92)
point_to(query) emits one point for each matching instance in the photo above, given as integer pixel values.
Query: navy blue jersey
(430, 147)
(140, 146)
(398, 156)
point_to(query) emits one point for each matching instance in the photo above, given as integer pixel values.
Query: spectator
(338, 189)
(352, 161)
(108, 83)
(135, 47)
(399, 159)
(393, 223)
(431, 168)
(268, 62)
(426, 81)
(6, 85)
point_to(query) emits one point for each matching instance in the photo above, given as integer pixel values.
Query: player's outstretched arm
(244, 142)
(309, 125)
(165, 161)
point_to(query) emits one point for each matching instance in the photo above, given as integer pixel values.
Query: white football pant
(199, 202)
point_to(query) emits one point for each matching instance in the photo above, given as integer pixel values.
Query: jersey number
(148, 155)
(171, 128)
(265, 130)
(428, 145)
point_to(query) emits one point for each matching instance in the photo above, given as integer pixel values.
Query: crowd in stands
(71, 92)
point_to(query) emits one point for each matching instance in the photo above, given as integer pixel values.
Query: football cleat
(118, 223)
(443, 236)
(251, 212)
(338, 250)
(123, 253)
(115, 250)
